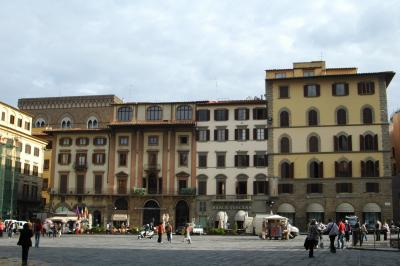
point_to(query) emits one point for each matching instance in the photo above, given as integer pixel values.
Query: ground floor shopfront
(132, 211)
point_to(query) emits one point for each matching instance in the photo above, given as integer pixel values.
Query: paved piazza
(205, 250)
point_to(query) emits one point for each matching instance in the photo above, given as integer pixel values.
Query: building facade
(232, 161)
(395, 140)
(21, 165)
(329, 143)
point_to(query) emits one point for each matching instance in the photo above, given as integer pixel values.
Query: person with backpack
(168, 230)
(312, 237)
(38, 230)
(333, 230)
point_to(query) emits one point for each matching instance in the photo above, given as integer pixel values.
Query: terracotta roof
(234, 102)
(74, 130)
(388, 76)
(154, 123)
(16, 109)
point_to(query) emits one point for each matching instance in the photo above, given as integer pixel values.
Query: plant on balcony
(138, 191)
(188, 191)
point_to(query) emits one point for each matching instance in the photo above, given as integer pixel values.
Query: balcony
(187, 191)
(152, 167)
(232, 198)
(80, 167)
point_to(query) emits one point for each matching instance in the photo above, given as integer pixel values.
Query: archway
(96, 218)
(151, 213)
(181, 213)
(121, 204)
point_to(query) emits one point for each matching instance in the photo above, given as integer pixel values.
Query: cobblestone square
(204, 250)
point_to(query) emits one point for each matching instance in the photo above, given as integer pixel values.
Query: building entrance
(151, 213)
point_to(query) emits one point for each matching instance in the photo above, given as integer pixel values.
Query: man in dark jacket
(25, 242)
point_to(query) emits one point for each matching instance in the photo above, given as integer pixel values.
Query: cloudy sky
(186, 50)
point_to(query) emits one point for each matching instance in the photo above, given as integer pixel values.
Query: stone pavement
(205, 250)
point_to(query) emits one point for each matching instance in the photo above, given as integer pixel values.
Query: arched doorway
(96, 218)
(181, 213)
(151, 212)
(121, 204)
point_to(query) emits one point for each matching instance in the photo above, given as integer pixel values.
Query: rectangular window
(98, 184)
(242, 134)
(340, 89)
(311, 90)
(63, 184)
(280, 75)
(220, 188)
(152, 157)
(36, 152)
(12, 118)
(260, 134)
(285, 188)
(152, 140)
(80, 159)
(45, 184)
(308, 73)
(221, 115)
(80, 184)
(99, 141)
(241, 188)
(241, 114)
(34, 194)
(25, 191)
(221, 160)
(260, 113)
(18, 167)
(82, 141)
(27, 125)
(46, 165)
(203, 135)
(366, 88)
(122, 156)
(19, 122)
(202, 159)
(64, 158)
(314, 188)
(183, 140)
(3, 116)
(182, 184)
(65, 142)
(372, 187)
(202, 189)
(28, 149)
(344, 188)
(203, 115)
(241, 160)
(283, 92)
(183, 158)
(121, 185)
(99, 158)
(221, 134)
(203, 206)
(35, 170)
(123, 140)
(260, 160)
(27, 169)
(260, 187)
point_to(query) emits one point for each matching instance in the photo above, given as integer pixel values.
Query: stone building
(21, 165)
(329, 142)
(395, 156)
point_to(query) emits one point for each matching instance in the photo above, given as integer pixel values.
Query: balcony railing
(80, 167)
(152, 166)
(187, 191)
(239, 197)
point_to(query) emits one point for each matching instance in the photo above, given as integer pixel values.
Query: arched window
(92, 123)
(369, 142)
(341, 116)
(124, 113)
(343, 143)
(312, 118)
(343, 169)
(370, 168)
(286, 171)
(154, 113)
(316, 169)
(285, 145)
(367, 115)
(313, 144)
(284, 119)
(66, 123)
(184, 112)
(40, 123)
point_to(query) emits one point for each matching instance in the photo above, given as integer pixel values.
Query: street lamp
(269, 204)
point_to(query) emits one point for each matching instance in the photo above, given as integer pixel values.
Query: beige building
(21, 165)
(395, 141)
(329, 142)
(231, 161)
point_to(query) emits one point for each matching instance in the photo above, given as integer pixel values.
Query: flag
(77, 211)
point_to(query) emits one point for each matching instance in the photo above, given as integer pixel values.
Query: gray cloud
(176, 50)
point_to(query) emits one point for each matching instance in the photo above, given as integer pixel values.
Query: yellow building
(329, 148)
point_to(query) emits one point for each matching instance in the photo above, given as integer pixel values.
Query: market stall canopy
(275, 217)
(344, 207)
(63, 219)
(220, 216)
(65, 213)
(315, 207)
(371, 207)
(286, 207)
(240, 216)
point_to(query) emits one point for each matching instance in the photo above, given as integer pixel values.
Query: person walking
(168, 230)
(364, 232)
(160, 231)
(312, 237)
(10, 227)
(347, 231)
(188, 229)
(1, 227)
(385, 230)
(38, 230)
(25, 242)
(356, 233)
(378, 228)
(332, 230)
(340, 239)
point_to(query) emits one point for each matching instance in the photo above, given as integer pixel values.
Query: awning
(220, 216)
(315, 207)
(286, 207)
(371, 207)
(120, 217)
(344, 207)
(240, 216)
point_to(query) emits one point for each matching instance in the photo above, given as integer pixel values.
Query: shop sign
(120, 217)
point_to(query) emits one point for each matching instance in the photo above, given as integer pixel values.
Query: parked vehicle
(276, 222)
(198, 229)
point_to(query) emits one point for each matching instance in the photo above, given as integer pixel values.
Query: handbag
(306, 243)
